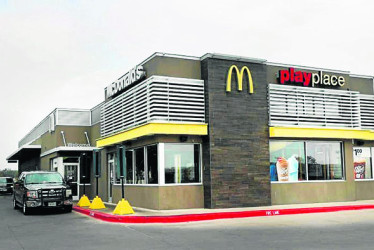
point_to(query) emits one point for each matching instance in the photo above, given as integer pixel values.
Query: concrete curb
(214, 216)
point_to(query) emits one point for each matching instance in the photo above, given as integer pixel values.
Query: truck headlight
(32, 194)
(68, 192)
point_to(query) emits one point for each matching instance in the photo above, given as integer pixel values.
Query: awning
(61, 149)
(24, 150)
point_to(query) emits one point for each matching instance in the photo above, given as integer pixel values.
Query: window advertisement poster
(287, 161)
(362, 162)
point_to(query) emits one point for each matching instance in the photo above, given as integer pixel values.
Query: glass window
(152, 164)
(287, 161)
(300, 160)
(139, 166)
(112, 165)
(324, 161)
(182, 163)
(362, 163)
(129, 167)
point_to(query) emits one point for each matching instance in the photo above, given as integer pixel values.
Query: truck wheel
(15, 206)
(68, 209)
(25, 209)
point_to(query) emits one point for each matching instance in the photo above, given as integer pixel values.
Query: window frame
(161, 165)
(371, 163)
(305, 142)
(200, 165)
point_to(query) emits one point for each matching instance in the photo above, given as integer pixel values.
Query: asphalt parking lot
(57, 230)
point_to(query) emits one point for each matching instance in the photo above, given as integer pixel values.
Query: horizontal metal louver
(42, 128)
(73, 117)
(95, 114)
(157, 99)
(313, 107)
(367, 111)
(63, 117)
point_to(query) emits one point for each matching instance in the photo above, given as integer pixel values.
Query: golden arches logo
(240, 76)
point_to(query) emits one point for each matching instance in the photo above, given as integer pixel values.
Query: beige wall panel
(48, 141)
(45, 161)
(73, 134)
(295, 193)
(94, 134)
(364, 190)
(173, 197)
(178, 197)
(173, 67)
(138, 196)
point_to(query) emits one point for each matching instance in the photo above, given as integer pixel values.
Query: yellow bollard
(123, 207)
(97, 203)
(84, 202)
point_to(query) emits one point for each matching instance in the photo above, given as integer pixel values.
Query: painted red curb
(214, 216)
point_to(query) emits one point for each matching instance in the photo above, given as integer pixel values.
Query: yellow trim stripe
(320, 133)
(152, 129)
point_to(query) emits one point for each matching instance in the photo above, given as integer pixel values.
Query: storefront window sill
(159, 185)
(359, 180)
(293, 182)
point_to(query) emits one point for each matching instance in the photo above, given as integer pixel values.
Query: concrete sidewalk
(190, 215)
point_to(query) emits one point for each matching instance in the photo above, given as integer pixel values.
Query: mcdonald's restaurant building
(224, 131)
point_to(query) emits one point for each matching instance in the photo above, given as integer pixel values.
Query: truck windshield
(6, 180)
(40, 178)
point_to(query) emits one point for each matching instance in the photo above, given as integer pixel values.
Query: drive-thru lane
(54, 230)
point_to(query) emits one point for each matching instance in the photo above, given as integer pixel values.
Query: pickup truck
(41, 189)
(6, 185)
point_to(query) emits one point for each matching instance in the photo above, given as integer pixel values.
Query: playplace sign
(307, 79)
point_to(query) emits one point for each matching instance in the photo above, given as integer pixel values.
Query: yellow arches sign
(239, 76)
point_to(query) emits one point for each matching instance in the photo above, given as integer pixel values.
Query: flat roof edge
(361, 76)
(24, 147)
(233, 58)
(162, 54)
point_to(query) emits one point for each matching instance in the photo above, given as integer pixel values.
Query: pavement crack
(14, 236)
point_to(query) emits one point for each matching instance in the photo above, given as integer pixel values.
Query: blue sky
(64, 53)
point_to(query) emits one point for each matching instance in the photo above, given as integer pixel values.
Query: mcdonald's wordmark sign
(240, 74)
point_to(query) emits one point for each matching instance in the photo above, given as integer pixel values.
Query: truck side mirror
(69, 179)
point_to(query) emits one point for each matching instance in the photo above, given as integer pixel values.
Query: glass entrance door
(110, 176)
(72, 175)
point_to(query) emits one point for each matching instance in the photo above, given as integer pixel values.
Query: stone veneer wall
(236, 151)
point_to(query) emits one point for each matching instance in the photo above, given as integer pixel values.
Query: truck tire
(25, 209)
(68, 209)
(15, 206)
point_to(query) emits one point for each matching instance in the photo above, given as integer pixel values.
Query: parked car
(6, 185)
(41, 189)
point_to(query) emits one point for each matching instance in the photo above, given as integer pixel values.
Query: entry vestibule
(71, 170)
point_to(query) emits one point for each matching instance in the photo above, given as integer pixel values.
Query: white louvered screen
(367, 111)
(158, 99)
(313, 107)
(95, 114)
(39, 130)
(70, 117)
